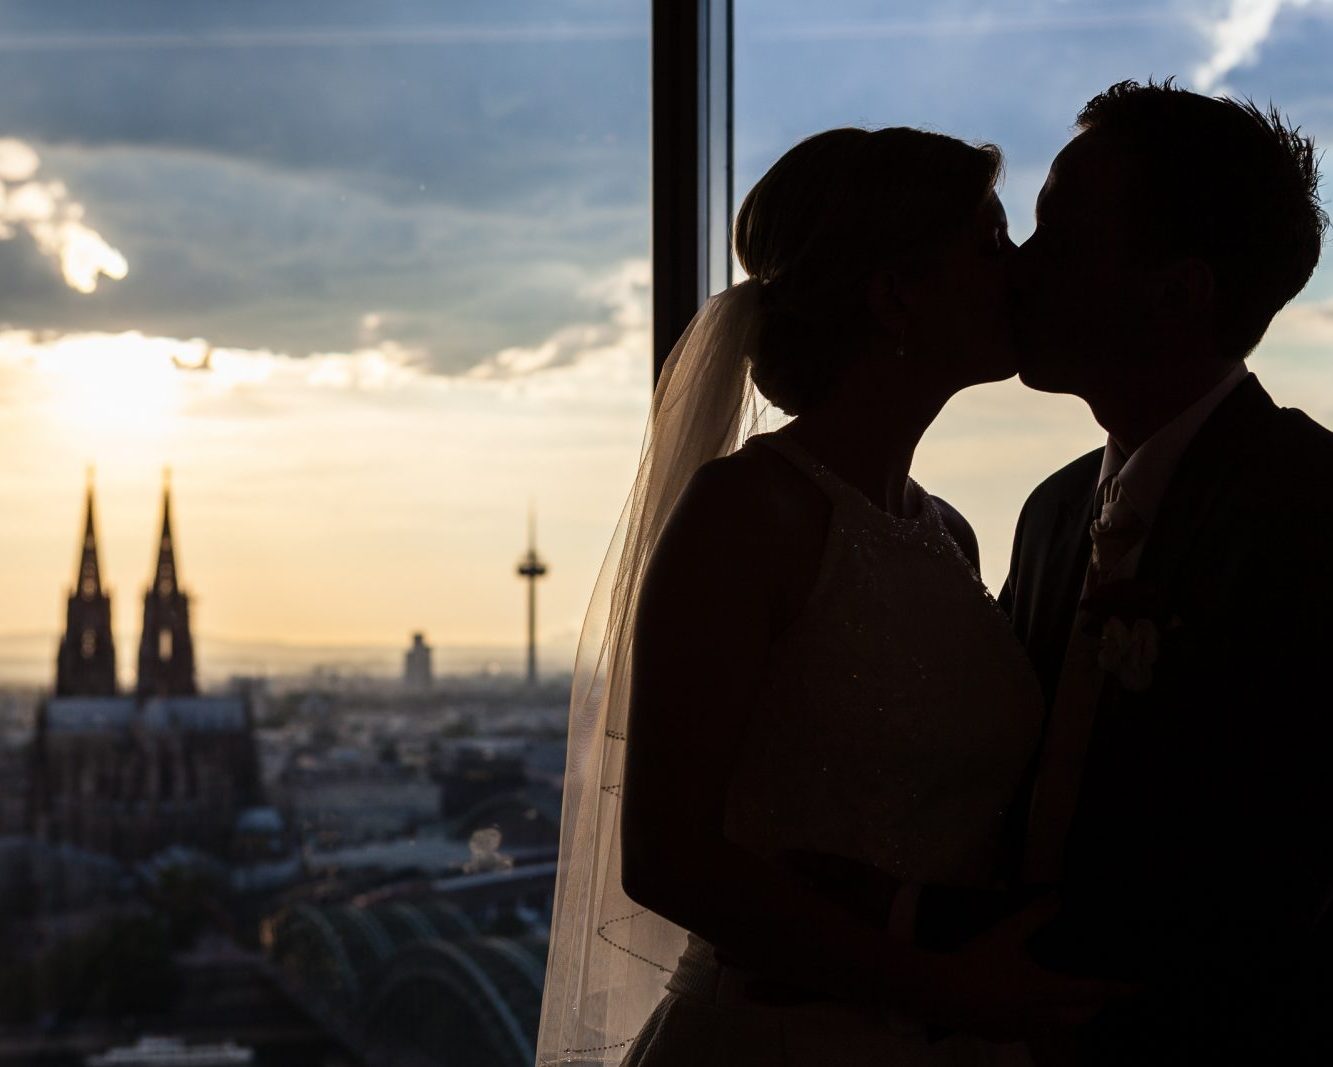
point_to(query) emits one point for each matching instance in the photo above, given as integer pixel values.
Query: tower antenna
(531, 568)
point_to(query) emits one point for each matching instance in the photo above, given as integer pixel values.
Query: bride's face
(960, 320)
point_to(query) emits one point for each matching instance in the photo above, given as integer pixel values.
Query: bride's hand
(994, 989)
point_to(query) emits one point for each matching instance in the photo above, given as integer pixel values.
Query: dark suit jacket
(1200, 859)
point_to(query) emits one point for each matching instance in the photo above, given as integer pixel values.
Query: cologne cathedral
(130, 773)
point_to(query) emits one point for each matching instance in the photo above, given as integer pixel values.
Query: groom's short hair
(1227, 182)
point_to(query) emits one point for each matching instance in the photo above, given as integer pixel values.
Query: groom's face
(1076, 279)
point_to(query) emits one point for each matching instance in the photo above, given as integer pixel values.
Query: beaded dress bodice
(898, 713)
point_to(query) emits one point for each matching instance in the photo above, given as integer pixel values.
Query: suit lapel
(1060, 586)
(1074, 547)
(1210, 466)
(1223, 446)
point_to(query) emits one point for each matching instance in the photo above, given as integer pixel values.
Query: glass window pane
(372, 283)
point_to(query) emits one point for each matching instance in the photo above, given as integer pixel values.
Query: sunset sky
(407, 245)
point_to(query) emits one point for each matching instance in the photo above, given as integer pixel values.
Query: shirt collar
(1146, 472)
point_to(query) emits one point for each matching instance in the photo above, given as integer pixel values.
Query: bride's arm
(702, 637)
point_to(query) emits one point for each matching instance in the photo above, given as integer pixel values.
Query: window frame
(692, 162)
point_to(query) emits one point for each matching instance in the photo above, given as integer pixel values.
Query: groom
(1175, 589)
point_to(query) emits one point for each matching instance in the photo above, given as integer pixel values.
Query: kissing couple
(827, 801)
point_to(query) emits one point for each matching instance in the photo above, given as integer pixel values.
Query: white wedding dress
(896, 721)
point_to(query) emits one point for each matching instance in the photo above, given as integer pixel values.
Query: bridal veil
(609, 958)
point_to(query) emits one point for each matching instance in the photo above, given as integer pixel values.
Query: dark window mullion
(719, 138)
(691, 162)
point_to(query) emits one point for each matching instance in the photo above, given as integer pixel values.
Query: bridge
(446, 972)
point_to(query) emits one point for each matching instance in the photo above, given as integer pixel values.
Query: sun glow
(105, 383)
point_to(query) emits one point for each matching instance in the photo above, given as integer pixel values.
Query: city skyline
(92, 582)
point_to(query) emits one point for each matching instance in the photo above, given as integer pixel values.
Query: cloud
(432, 35)
(435, 115)
(1237, 37)
(309, 185)
(977, 24)
(387, 365)
(1306, 325)
(254, 256)
(622, 300)
(129, 378)
(18, 160)
(131, 386)
(53, 220)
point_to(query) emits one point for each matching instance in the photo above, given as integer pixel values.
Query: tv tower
(531, 567)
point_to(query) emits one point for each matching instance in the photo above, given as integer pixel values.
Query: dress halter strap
(833, 486)
(839, 491)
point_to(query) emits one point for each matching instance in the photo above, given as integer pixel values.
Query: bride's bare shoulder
(748, 521)
(751, 516)
(755, 488)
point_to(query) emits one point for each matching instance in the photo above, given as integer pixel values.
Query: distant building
(344, 796)
(265, 854)
(15, 790)
(470, 772)
(130, 775)
(417, 672)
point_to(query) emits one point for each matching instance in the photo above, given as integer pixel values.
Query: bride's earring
(901, 350)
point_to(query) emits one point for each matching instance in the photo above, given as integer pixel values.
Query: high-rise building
(417, 673)
(166, 649)
(86, 661)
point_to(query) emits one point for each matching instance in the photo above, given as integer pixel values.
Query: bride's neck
(867, 436)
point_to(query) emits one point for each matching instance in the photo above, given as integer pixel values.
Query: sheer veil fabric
(609, 959)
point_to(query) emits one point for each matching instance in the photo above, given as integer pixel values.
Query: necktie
(1115, 531)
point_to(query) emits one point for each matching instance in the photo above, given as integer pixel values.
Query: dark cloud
(247, 256)
(272, 173)
(492, 118)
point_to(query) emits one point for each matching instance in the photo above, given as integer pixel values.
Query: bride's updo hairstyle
(835, 209)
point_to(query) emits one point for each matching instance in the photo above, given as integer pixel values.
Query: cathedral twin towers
(129, 774)
(86, 662)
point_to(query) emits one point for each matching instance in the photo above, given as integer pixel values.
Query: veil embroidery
(609, 959)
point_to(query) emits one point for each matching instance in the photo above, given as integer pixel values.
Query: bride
(797, 712)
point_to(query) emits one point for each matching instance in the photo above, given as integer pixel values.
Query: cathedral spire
(86, 660)
(164, 581)
(166, 648)
(89, 583)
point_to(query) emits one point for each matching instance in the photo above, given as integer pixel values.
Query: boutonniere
(1128, 618)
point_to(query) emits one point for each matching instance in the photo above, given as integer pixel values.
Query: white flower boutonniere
(1129, 619)
(1128, 651)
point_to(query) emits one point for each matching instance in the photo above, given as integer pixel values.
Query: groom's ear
(1185, 286)
(885, 299)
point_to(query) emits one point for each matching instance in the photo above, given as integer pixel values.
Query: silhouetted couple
(827, 802)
